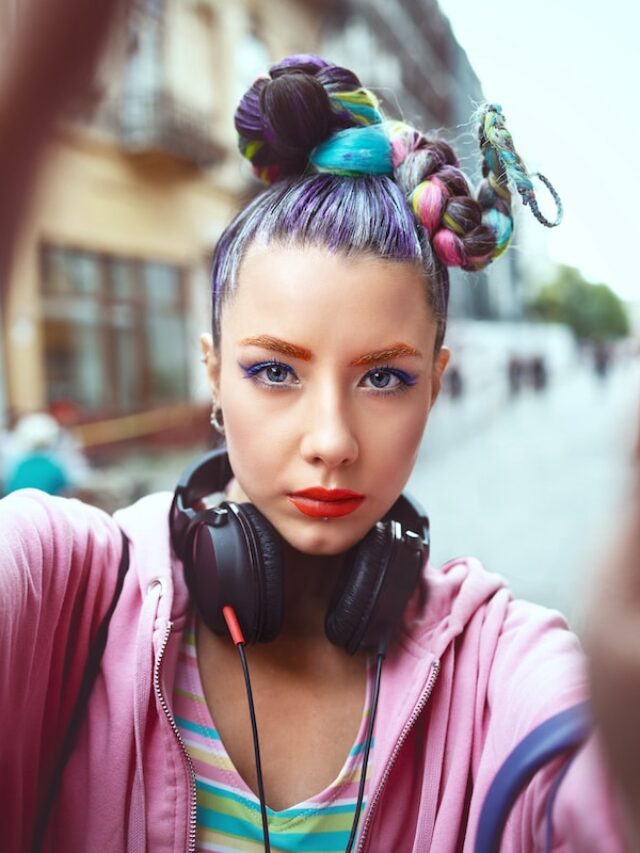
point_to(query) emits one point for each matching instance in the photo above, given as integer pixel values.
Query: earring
(216, 419)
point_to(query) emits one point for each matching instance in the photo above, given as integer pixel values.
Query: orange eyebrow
(277, 345)
(394, 351)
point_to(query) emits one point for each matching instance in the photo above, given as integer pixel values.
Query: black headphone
(233, 556)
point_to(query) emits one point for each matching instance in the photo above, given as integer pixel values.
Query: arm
(58, 567)
(613, 641)
(538, 670)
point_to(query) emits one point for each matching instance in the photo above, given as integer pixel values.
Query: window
(114, 332)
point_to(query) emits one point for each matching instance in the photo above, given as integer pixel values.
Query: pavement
(533, 486)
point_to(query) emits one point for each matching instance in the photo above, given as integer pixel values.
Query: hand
(613, 644)
(53, 51)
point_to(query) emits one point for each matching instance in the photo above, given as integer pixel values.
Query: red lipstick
(317, 502)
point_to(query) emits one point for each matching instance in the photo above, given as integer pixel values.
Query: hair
(340, 175)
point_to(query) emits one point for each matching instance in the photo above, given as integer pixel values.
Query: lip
(317, 493)
(317, 502)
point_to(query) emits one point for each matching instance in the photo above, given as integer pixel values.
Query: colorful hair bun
(310, 115)
(355, 151)
(303, 101)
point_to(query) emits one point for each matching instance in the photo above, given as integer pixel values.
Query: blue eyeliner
(254, 369)
(253, 372)
(403, 376)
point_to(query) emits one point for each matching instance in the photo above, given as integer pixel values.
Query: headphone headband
(207, 474)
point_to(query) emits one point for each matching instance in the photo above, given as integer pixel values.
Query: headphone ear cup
(270, 573)
(355, 598)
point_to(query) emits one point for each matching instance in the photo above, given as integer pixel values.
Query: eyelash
(253, 372)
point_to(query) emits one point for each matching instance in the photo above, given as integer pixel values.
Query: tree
(592, 311)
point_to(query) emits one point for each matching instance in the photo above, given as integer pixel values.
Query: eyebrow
(277, 345)
(394, 351)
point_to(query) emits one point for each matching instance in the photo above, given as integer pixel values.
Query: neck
(309, 583)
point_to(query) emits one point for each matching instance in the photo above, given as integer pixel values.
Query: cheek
(256, 448)
(390, 443)
(400, 427)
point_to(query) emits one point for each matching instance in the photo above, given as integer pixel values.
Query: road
(532, 486)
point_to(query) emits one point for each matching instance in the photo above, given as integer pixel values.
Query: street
(531, 486)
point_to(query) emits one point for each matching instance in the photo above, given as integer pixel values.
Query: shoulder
(449, 598)
(508, 642)
(45, 526)
(52, 547)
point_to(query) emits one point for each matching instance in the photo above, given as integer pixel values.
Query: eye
(388, 379)
(271, 373)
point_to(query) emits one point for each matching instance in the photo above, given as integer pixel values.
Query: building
(407, 48)
(110, 286)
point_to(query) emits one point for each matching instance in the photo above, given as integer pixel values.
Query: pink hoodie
(468, 677)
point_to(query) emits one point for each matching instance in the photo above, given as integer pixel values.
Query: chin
(322, 538)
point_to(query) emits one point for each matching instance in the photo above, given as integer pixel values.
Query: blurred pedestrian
(38, 454)
(538, 373)
(515, 373)
(454, 383)
(602, 359)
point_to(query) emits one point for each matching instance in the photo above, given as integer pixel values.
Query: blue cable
(563, 733)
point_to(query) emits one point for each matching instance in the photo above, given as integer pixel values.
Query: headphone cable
(256, 749)
(367, 749)
(238, 639)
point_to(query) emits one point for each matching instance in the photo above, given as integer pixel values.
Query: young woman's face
(325, 375)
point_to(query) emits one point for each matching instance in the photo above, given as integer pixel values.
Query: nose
(330, 438)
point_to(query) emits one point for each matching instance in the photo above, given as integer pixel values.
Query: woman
(329, 311)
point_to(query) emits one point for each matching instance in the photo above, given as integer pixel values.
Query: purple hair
(347, 215)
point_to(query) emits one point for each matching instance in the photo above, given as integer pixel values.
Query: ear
(439, 366)
(211, 361)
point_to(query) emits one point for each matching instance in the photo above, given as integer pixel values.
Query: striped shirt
(228, 812)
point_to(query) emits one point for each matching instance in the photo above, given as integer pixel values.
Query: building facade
(110, 285)
(407, 53)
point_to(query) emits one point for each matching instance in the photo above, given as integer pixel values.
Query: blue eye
(388, 380)
(271, 373)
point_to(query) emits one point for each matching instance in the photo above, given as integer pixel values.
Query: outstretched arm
(51, 56)
(57, 560)
(613, 643)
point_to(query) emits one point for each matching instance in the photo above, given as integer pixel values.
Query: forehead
(312, 290)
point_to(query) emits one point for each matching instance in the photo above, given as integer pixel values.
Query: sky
(567, 75)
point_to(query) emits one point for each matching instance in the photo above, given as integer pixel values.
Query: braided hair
(339, 174)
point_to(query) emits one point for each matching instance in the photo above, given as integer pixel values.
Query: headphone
(232, 556)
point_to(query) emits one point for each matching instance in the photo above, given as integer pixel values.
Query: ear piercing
(216, 419)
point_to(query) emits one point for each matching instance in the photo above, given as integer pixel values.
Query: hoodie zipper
(167, 712)
(424, 698)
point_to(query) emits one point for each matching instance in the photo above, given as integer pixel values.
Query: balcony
(159, 123)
